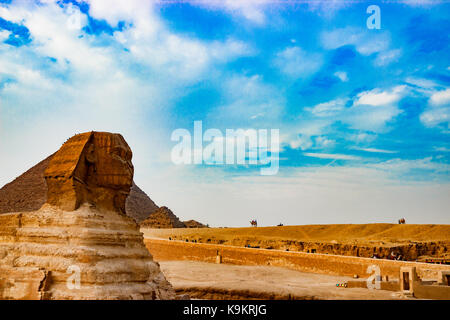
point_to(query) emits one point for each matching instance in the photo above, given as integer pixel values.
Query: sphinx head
(93, 167)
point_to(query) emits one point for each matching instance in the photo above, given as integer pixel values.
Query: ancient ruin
(80, 244)
(194, 224)
(92, 167)
(28, 192)
(161, 219)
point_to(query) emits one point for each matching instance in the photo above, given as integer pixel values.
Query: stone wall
(164, 250)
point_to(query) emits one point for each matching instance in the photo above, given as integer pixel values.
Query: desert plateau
(408, 242)
(301, 262)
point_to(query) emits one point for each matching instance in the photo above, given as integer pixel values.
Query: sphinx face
(111, 157)
(93, 167)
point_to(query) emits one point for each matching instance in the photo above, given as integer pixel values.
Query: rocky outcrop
(408, 252)
(163, 218)
(80, 244)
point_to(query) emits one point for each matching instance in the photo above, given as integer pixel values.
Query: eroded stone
(81, 235)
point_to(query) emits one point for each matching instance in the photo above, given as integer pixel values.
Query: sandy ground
(412, 242)
(220, 281)
(341, 233)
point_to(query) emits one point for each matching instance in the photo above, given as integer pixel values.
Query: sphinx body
(80, 244)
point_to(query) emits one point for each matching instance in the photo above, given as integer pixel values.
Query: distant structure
(163, 218)
(254, 223)
(402, 221)
(280, 225)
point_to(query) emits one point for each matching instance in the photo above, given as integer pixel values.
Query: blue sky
(363, 114)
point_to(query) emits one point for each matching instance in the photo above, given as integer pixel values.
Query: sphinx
(80, 244)
(93, 168)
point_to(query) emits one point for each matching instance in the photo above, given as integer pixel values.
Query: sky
(363, 114)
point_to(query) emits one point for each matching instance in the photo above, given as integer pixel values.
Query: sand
(219, 281)
(393, 233)
(408, 242)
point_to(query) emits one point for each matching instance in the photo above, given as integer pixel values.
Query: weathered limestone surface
(81, 232)
(93, 167)
(28, 192)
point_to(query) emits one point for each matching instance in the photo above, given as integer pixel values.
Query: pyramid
(163, 218)
(194, 224)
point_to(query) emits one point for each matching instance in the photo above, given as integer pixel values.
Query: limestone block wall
(306, 262)
(431, 291)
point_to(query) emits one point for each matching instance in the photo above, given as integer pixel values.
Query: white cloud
(370, 118)
(435, 116)
(422, 3)
(440, 98)
(4, 34)
(114, 11)
(422, 83)
(371, 111)
(331, 156)
(365, 42)
(304, 142)
(248, 98)
(442, 149)
(341, 75)
(327, 8)
(56, 32)
(386, 57)
(152, 44)
(400, 166)
(251, 10)
(438, 109)
(362, 137)
(297, 63)
(300, 135)
(323, 142)
(178, 57)
(374, 150)
(327, 109)
(301, 141)
(94, 85)
(377, 97)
